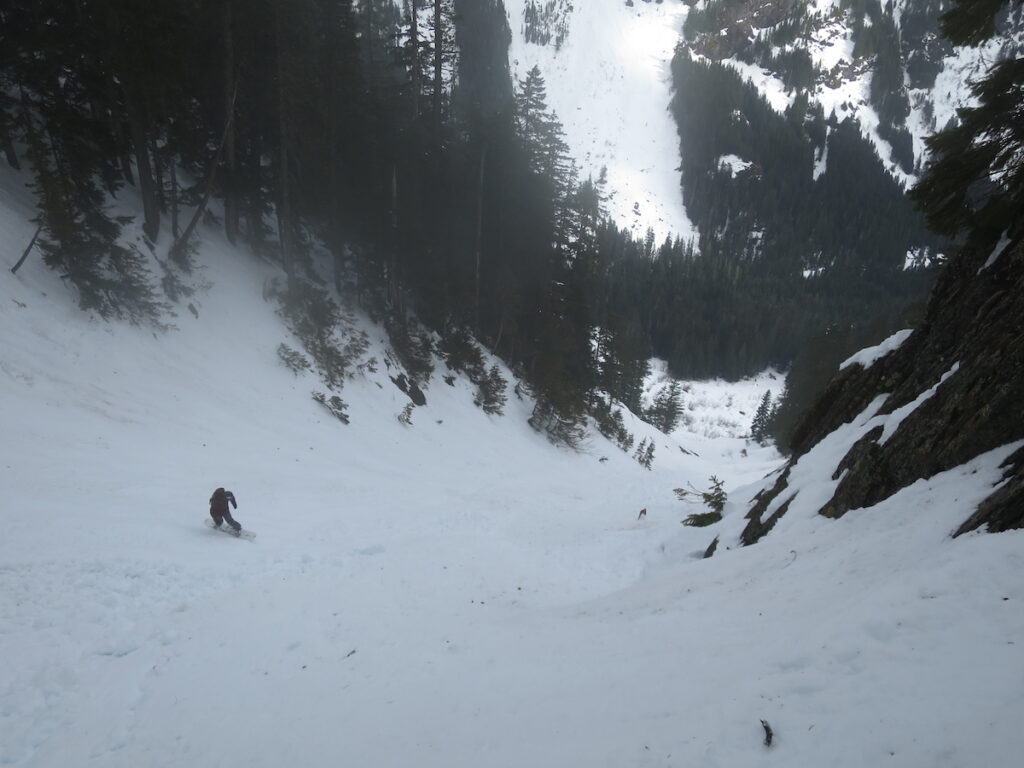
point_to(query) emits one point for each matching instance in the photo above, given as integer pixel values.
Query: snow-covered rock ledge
(919, 405)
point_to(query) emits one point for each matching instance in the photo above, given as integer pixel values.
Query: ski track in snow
(454, 593)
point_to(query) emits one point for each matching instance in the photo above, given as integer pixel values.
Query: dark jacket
(219, 502)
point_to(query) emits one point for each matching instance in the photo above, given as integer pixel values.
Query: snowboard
(225, 528)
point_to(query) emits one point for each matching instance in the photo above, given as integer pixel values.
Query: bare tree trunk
(177, 250)
(501, 330)
(137, 126)
(414, 41)
(158, 174)
(231, 213)
(438, 72)
(118, 130)
(174, 200)
(333, 155)
(108, 55)
(6, 144)
(284, 211)
(479, 227)
(394, 283)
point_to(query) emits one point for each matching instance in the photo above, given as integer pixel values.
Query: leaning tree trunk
(135, 108)
(231, 212)
(177, 251)
(438, 71)
(414, 45)
(174, 199)
(479, 228)
(6, 144)
(28, 250)
(117, 131)
(284, 211)
(394, 281)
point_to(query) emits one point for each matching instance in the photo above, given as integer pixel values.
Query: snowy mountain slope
(457, 592)
(608, 81)
(936, 77)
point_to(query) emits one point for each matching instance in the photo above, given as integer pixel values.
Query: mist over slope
(454, 591)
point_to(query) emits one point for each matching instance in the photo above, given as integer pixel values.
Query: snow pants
(220, 517)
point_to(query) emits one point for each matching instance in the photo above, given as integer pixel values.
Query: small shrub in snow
(334, 404)
(406, 415)
(327, 333)
(667, 408)
(610, 424)
(412, 348)
(714, 499)
(560, 429)
(294, 360)
(462, 354)
(491, 392)
(367, 366)
(702, 519)
(644, 453)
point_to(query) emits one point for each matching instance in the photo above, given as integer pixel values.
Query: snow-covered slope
(454, 592)
(608, 81)
(844, 76)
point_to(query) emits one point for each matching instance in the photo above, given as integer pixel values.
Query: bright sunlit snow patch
(609, 84)
(996, 251)
(767, 84)
(734, 164)
(714, 409)
(867, 356)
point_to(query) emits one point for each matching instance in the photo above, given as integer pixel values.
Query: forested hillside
(378, 149)
(801, 128)
(383, 154)
(945, 393)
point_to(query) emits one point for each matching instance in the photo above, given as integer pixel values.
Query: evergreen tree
(762, 419)
(540, 130)
(974, 182)
(664, 412)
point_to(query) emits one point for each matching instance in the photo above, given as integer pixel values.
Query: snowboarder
(219, 508)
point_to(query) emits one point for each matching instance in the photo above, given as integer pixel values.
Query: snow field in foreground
(454, 593)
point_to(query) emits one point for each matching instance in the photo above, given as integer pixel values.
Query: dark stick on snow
(24, 256)
(767, 733)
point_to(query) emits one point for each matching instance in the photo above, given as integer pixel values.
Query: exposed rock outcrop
(960, 379)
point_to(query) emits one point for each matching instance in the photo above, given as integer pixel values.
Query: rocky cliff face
(956, 387)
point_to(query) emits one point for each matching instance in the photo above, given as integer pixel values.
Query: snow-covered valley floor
(457, 592)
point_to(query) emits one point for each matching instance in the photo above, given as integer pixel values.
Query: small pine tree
(649, 455)
(762, 419)
(334, 404)
(644, 454)
(491, 392)
(974, 181)
(714, 499)
(664, 413)
(405, 417)
(610, 424)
